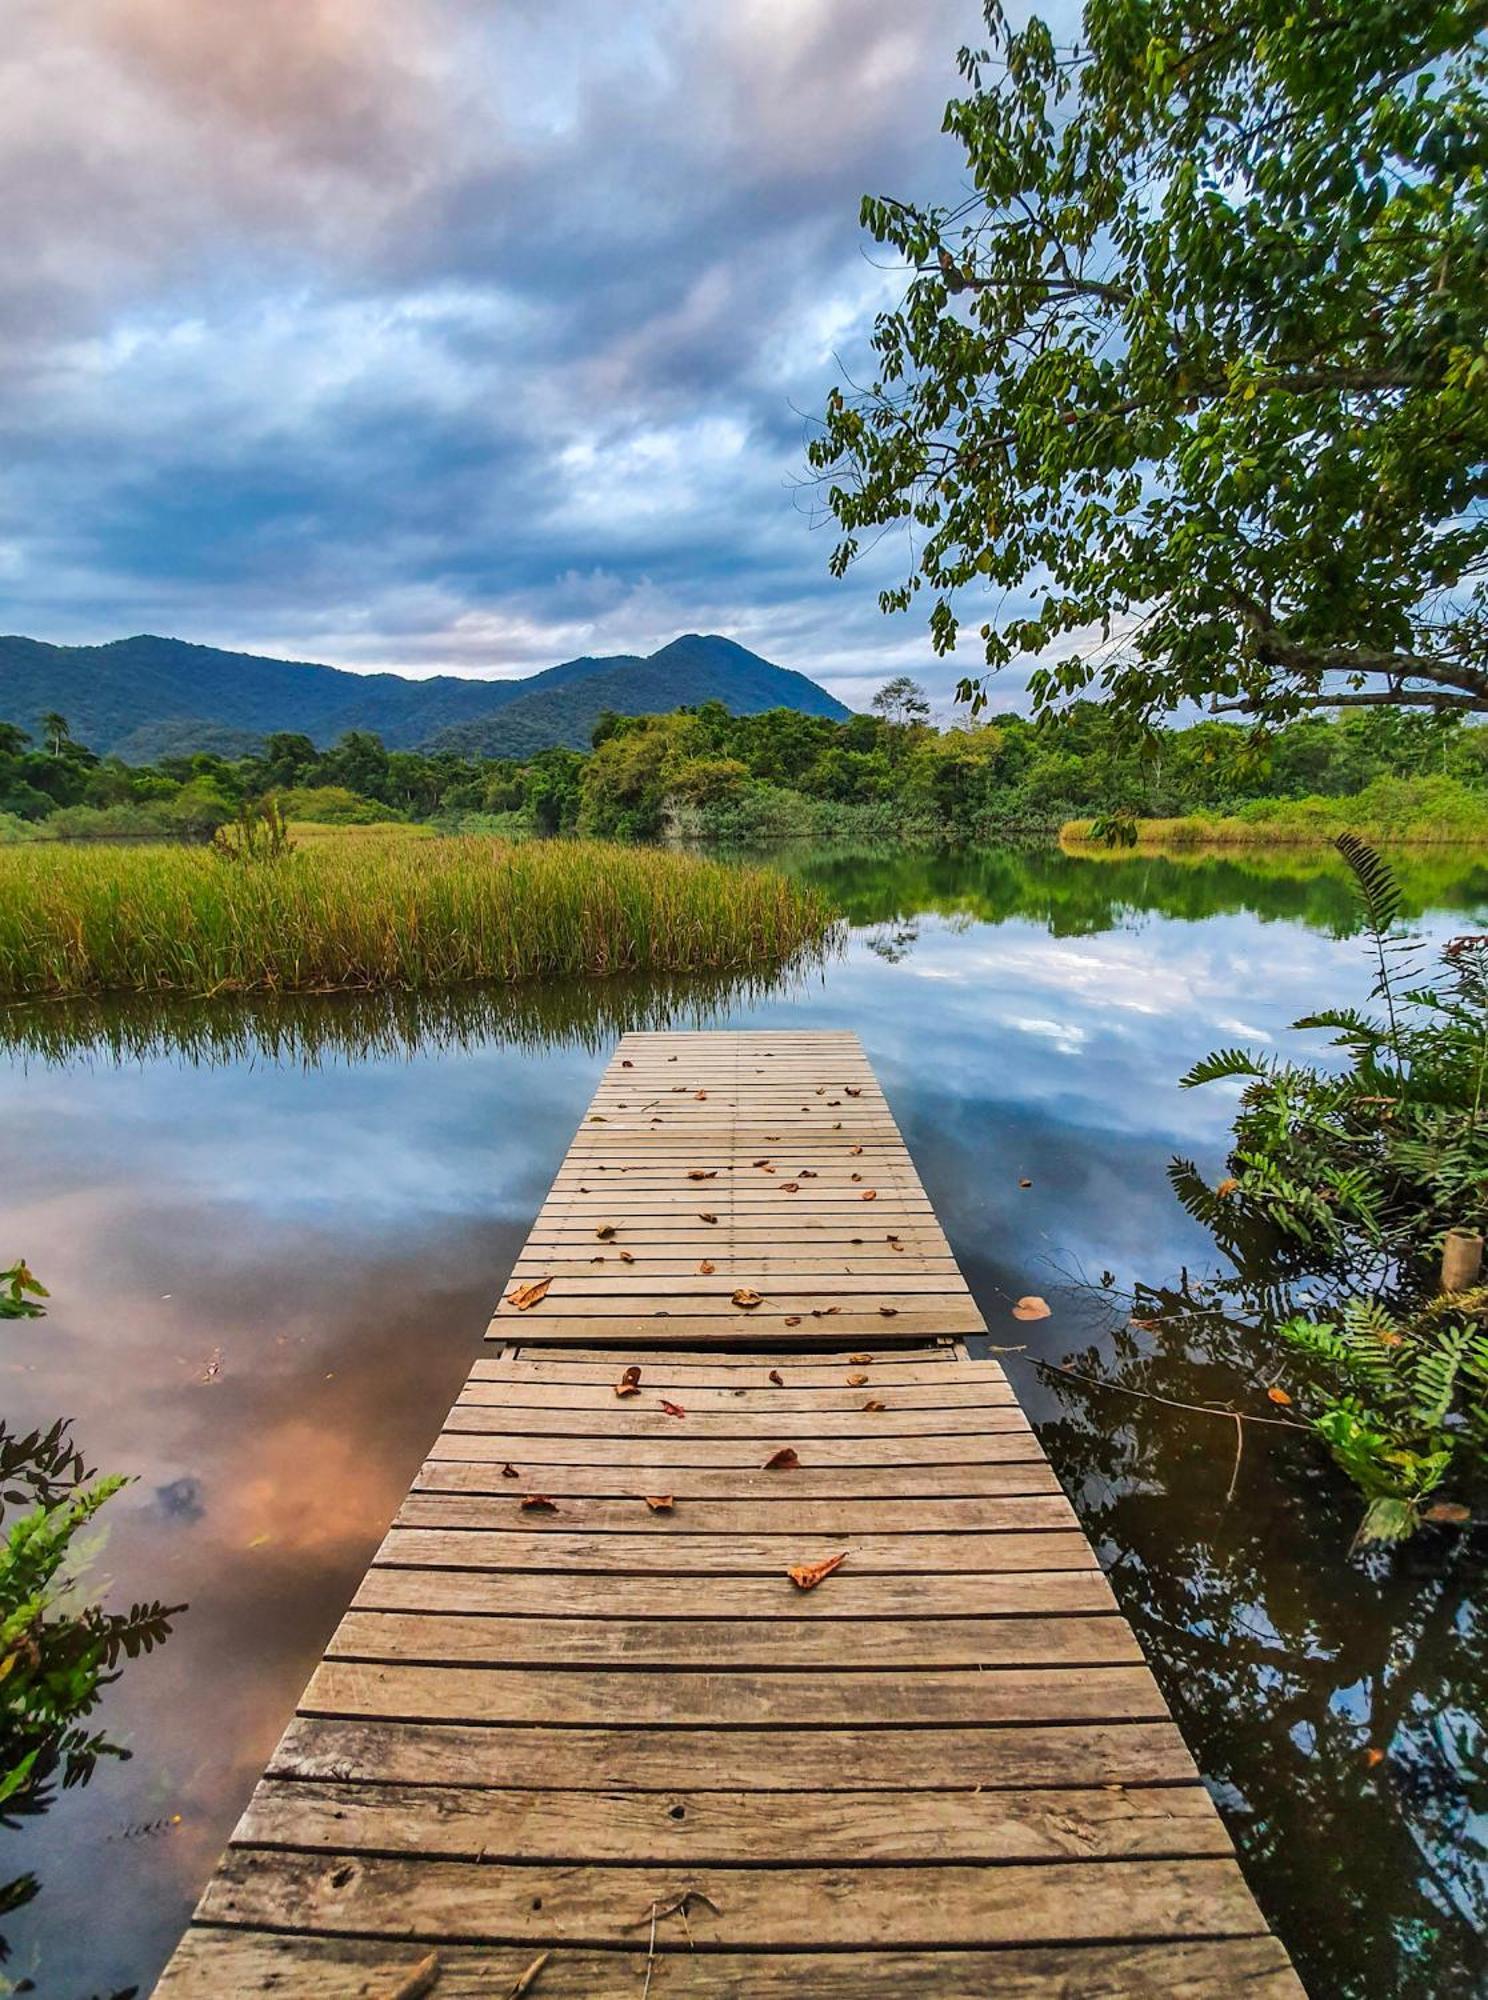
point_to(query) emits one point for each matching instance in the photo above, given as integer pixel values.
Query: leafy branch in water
(58, 1652)
(1341, 1190)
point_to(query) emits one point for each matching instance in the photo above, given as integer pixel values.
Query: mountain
(690, 670)
(144, 697)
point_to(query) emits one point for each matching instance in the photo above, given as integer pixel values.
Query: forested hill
(146, 697)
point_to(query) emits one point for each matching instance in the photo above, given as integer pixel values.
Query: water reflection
(273, 1232)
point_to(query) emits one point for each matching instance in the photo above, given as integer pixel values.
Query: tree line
(704, 773)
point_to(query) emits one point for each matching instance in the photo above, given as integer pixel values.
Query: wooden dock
(608, 1747)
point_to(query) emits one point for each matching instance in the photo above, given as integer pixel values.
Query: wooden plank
(933, 1907)
(580, 1597)
(845, 1520)
(660, 1699)
(946, 1771)
(213, 1962)
(768, 1761)
(731, 1643)
(729, 1555)
(845, 1484)
(727, 1828)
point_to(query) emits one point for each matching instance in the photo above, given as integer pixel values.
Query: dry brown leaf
(782, 1460)
(629, 1383)
(510, 1472)
(861, 1360)
(895, 1244)
(626, 1257)
(525, 1297)
(605, 1231)
(626, 1063)
(793, 1319)
(825, 1312)
(660, 1503)
(856, 1381)
(889, 1312)
(1031, 1307)
(700, 1095)
(673, 1409)
(706, 1268)
(790, 1187)
(869, 1194)
(1276, 1394)
(777, 1378)
(1227, 1187)
(807, 1173)
(873, 1404)
(1451, 1513)
(706, 1215)
(855, 1150)
(539, 1503)
(853, 1089)
(596, 1119)
(856, 1177)
(806, 1576)
(702, 1173)
(748, 1298)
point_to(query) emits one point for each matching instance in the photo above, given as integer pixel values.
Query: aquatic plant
(1342, 1190)
(368, 914)
(58, 1651)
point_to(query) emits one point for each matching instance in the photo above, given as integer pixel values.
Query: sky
(451, 335)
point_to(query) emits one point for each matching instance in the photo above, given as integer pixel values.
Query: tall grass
(409, 915)
(1417, 811)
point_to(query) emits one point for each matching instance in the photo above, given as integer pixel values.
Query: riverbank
(1391, 812)
(365, 914)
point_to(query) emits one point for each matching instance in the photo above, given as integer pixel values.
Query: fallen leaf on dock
(853, 1089)
(539, 1503)
(855, 1150)
(806, 1576)
(775, 1375)
(1031, 1307)
(673, 1409)
(790, 1187)
(747, 1298)
(706, 1269)
(782, 1460)
(702, 1173)
(525, 1297)
(825, 1312)
(856, 1381)
(629, 1383)
(605, 1231)
(509, 1471)
(861, 1360)
(869, 1194)
(660, 1504)
(626, 1257)
(793, 1319)
(626, 1063)
(889, 1312)
(857, 1177)
(700, 1095)
(706, 1215)
(873, 1404)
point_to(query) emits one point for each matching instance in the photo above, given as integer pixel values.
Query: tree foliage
(1196, 379)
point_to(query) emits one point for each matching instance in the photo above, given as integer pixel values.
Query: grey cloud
(428, 333)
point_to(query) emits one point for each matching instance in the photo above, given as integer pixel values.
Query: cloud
(426, 334)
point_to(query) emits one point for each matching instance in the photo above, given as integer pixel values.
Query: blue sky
(449, 334)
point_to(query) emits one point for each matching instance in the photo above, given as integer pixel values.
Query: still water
(272, 1237)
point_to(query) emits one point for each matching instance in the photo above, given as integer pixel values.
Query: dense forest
(705, 773)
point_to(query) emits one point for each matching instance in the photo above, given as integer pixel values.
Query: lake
(273, 1236)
